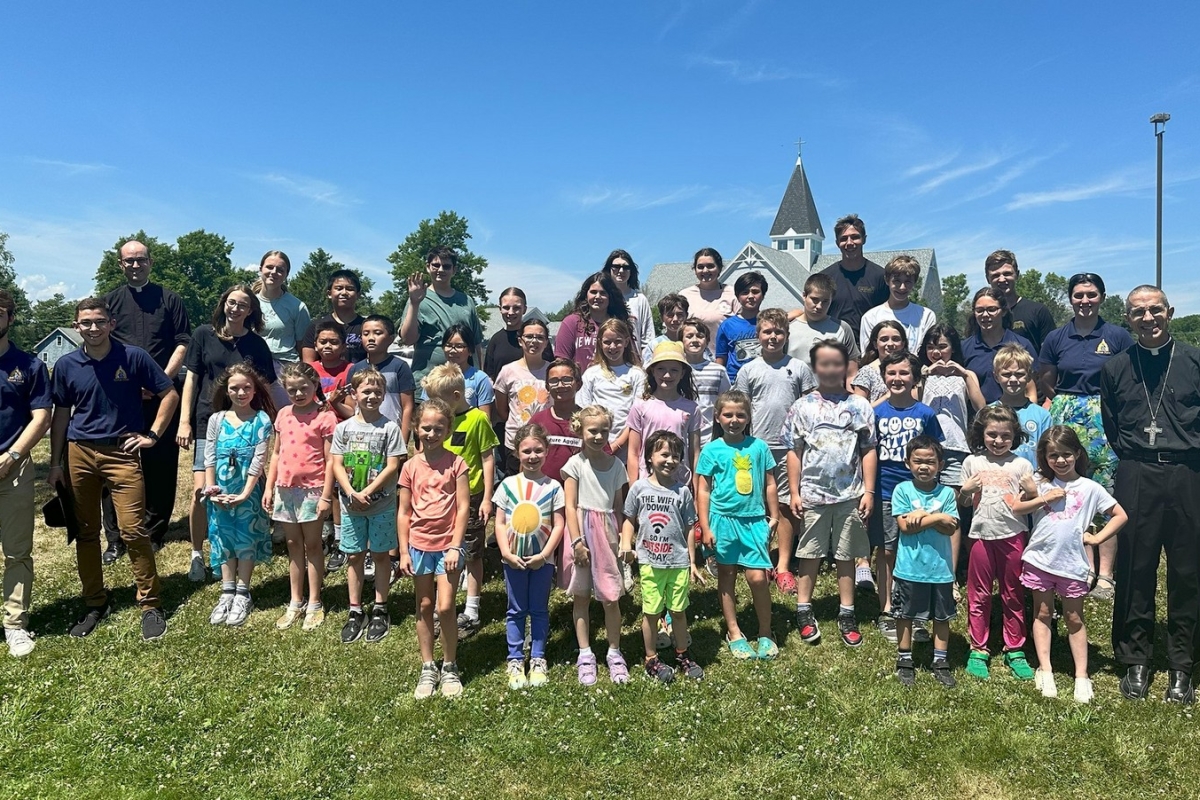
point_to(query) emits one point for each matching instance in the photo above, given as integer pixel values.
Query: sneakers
(450, 685)
(659, 671)
(20, 642)
(90, 619)
(1083, 690)
(906, 671)
(785, 582)
(848, 628)
(290, 616)
(154, 624)
(220, 612)
(618, 670)
(864, 581)
(336, 560)
(626, 577)
(690, 668)
(977, 665)
(352, 631)
(942, 674)
(766, 649)
(242, 605)
(1043, 679)
(468, 626)
(921, 632)
(586, 667)
(887, 627)
(379, 624)
(313, 617)
(368, 568)
(806, 623)
(427, 682)
(516, 674)
(539, 672)
(196, 571)
(1016, 663)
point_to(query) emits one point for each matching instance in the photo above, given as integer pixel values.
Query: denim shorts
(198, 456)
(429, 562)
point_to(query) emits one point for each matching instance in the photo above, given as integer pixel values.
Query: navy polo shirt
(106, 393)
(977, 357)
(1079, 358)
(24, 386)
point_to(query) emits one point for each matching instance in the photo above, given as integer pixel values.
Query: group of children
(677, 456)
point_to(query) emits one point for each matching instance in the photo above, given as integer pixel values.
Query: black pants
(160, 466)
(1163, 503)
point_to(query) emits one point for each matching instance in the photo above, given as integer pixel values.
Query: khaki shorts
(836, 529)
(781, 478)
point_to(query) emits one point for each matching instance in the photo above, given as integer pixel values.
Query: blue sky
(563, 130)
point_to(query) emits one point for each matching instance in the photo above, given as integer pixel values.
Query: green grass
(255, 713)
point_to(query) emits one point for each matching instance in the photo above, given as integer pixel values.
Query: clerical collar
(138, 288)
(1156, 350)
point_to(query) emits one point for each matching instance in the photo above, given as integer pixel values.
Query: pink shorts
(1041, 581)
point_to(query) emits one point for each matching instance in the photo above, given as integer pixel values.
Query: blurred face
(612, 345)
(595, 432)
(988, 313)
(561, 384)
(663, 462)
(816, 304)
(620, 270)
(673, 319)
(773, 338)
(300, 391)
(456, 351)
(734, 417)
(512, 310)
(898, 378)
(694, 341)
(369, 395)
(135, 263)
(343, 295)
(1012, 379)
(330, 347)
(900, 285)
(706, 272)
(1086, 300)
(850, 242)
(274, 271)
(533, 340)
(237, 308)
(924, 465)
(1061, 460)
(531, 453)
(432, 428)
(752, 298)
(240, 390)
(667, 374)
(597, 298)
(830, 368)
(1149, 316)
(1003, 278)
(888, 341)
(94, 326)
(375, 337)
(441, 271)
(998, 438)
(939, 350)
(5, 322)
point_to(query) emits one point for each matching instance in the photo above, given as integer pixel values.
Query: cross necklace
(1152, 430)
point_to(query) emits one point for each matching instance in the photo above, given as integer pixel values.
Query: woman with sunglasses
(1072, 358)
(988, 329)
(623, 270)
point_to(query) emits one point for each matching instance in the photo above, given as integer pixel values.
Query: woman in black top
(503, 348)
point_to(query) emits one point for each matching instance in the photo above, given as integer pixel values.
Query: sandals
(1105, 589)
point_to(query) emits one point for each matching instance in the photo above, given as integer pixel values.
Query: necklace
(1152, 430)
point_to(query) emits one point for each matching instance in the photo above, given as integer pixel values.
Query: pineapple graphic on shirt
(742, 479)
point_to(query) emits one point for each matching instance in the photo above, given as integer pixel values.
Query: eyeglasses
(135, 262)
(87, 324)
(456, 347)
(553, 382)
(237, 305)
(990, 311)
(534, 339)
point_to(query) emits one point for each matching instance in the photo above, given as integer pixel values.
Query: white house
(60, 342)
(794, 253)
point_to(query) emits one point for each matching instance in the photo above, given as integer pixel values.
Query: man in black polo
(98, 432)
(148, 316)
(860, 283)
(1030, 318)
(24, 419)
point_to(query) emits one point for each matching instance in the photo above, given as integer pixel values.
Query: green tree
(20, 334)
(1050, 292)
(310, 283)
(1113, 310)
(955, 292)
(46, 315)
(1187, 329)
(561, 314)
(447, 230)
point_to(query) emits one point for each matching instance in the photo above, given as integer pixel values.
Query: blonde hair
(619, 326)
(443, 381)
(367, 375)
(438, 406)
(1012, 355)
(588, 412)
(257, 286)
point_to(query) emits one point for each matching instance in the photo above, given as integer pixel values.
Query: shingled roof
(797, 211)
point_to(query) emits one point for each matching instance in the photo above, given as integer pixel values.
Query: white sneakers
(1044, 681)
(242, 605)
(20, 642)
(1083, 690)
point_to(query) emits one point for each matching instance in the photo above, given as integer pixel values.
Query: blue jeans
(528, 596)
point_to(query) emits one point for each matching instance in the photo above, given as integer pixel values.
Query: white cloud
(603, 198)
(546, 287)
(70, 169)
(742, 72)
(1124, 182)
(314, 189)
(39, 287)
(947, 175)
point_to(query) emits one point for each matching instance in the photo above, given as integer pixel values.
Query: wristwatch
(14, 455)
(152, 435)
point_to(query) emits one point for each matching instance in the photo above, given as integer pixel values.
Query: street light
(1159, 121)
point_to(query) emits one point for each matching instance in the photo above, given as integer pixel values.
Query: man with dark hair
(153, 318)
(860, 283)
(24, 418)
(98, 432)
(1030, 318)
(429, 315)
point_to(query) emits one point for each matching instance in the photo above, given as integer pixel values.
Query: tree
(46, 315)
(1113, 310)
(447, 230)
(955, 292)
(310, 283)
(1050, 292)
(1187, 329)
(562, 313)
(20, 335)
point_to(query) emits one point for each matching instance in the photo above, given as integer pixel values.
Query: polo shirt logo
(1102, 348)
(120, 375)
(16, 377)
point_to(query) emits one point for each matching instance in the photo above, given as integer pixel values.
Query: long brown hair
(262, 390)
(254, 320)
(1064, 438)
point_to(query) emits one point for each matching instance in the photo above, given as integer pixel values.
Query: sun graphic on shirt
(527, 394)
(530, 521)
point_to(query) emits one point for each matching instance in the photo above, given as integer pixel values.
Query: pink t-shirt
(526, 393)
(678, 416)
(302, 439)
(434, 499)
(711, 307)
(576, 339)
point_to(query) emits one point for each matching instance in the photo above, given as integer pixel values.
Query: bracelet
(579, 541)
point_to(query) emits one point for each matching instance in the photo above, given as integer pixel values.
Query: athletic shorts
(924, 601)
(428, 562)
(742, 541)
(376, 534)
(835, 529)
(664, 589)
(296, 504)
(1038, 580)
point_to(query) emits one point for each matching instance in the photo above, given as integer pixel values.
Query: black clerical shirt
(1127, 413)
(152, 318)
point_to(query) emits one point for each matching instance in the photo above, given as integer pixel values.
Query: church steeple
(797, 227)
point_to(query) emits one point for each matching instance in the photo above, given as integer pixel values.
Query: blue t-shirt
(894, 429)
(1034, 420)
(106, 393)
(737, 342)
(924, 557)
(977, 357)
(24, 386)
(398, 378)
(732, 496)
(1079, 358)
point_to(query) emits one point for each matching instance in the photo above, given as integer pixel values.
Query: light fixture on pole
(1159, 121)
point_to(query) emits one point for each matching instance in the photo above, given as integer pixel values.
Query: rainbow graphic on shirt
(531, 518)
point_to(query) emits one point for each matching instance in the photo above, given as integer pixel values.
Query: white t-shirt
(597, 489)
(1056, 542)
(915, 319)
(640, 319)
(993, 518)
(615, 389)
(711, 380)
(947, 395)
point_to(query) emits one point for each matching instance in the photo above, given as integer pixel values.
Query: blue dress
(241, 532)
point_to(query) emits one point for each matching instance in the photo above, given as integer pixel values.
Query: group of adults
(118, 422)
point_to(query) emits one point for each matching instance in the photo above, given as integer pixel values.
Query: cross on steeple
(799, 145)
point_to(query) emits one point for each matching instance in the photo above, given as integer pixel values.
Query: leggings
(996, 561)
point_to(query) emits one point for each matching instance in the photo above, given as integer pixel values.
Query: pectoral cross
(1152, 430)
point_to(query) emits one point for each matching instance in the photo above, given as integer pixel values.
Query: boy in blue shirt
(927, 515)
(737, 338)
(1013, 368)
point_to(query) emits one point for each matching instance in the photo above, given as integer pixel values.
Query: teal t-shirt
(924, 557)
(739, 476)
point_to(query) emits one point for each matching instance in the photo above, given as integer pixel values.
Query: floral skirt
(1081, 413)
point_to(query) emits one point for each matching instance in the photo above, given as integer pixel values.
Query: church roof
(667, 277)
(797, 211)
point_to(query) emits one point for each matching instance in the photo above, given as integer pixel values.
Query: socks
(846, 611)
(904, 657)
(939, 654)
(228, 587)
(356, 607)
(198, 554)
(315, 606)
(585, 651)
(803, 607)
(243, 590)
(472, 609)
(296, 604)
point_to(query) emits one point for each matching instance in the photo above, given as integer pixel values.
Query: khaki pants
(91, 468)
(16, 540)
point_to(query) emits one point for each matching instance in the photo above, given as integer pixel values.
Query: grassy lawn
(255, 713)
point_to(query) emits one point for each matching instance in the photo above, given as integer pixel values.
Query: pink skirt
(602, 576)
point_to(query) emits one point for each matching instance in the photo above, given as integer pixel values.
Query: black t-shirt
(1032, 320)
(208, 356)
(503, 349)
(354, 348)
(152, 318)
(857, 293)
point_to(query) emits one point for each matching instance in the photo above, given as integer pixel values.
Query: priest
(1150, 402)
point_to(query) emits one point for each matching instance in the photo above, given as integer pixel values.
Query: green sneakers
(1015, 661)
(977, 665)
